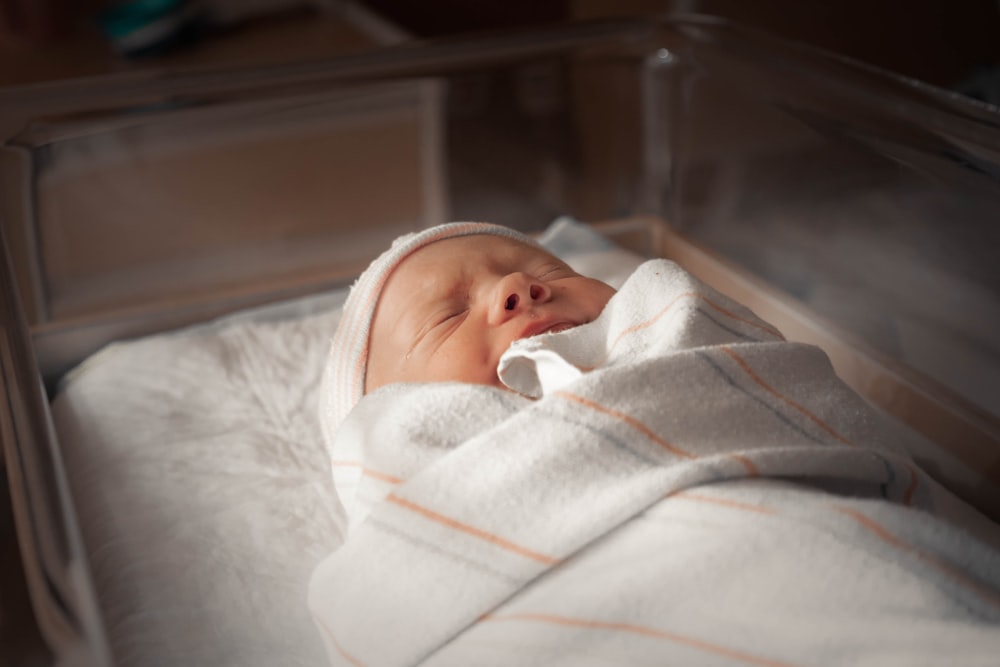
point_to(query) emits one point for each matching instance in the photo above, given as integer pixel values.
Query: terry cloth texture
(706, 494)
(344, 376)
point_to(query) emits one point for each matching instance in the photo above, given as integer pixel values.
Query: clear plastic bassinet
(855, 208)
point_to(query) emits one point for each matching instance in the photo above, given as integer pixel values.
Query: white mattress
(202, 485)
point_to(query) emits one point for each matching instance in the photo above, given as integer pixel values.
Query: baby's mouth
(556, 327)
(562, 326)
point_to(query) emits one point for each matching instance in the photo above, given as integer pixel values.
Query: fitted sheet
(203, 489)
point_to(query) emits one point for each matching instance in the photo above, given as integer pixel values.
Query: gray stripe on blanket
(777, 413)
(890, 474)
(428, 546)
(722, 326)
(604, 435)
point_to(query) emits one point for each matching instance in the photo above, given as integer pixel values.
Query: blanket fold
(467, 501)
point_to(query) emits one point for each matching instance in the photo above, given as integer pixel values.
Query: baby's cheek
(480, 362)
(603, 294)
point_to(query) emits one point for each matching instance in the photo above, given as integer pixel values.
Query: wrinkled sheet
(200, 480)
(701, 492)
(202, 490)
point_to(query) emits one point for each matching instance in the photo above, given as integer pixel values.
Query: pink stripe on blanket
(642, 630)
(954, 573)
(472, 530)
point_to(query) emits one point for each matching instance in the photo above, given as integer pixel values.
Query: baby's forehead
(456, 251)
(438, 267)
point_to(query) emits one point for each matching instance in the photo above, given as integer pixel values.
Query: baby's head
(444, 305)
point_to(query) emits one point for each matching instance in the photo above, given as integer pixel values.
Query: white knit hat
(344, 376)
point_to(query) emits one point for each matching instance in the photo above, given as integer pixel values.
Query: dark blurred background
(950, 43)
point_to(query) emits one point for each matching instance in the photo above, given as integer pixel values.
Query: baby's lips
(559, 327)
(544, 327)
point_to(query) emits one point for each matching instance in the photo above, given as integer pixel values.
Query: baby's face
(450, 309)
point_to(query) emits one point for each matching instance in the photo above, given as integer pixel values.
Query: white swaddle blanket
(687, 488)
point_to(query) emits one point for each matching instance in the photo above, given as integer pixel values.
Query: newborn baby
(685, 487)
(444, 304)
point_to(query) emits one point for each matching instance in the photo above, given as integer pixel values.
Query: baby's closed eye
(436, 321)
(553, 270)
(449, 320)
(451, 315)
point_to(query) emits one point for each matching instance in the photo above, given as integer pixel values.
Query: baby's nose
(516, 292)
(535, 292)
